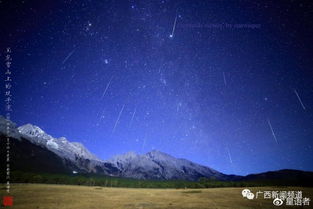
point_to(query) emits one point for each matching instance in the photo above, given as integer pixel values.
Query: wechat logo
(246, 193)
(278, 202)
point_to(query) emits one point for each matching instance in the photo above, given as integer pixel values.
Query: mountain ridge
(58, 145)
(155, 164)
(151, 165)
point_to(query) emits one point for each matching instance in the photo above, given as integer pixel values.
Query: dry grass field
(42, 196)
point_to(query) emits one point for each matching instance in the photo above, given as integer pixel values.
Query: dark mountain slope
(26, 156)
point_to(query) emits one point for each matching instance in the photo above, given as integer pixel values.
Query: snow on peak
(159, 165)
(33, 131)
(130, 156)
(62, 139)
(78, 145)
(156, 154)
(52, 144)
(60, 146)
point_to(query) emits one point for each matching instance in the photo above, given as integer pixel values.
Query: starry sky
(227, 84)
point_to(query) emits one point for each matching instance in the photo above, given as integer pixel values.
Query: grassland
(44, 196)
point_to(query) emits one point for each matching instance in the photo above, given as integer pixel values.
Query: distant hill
(282, 177)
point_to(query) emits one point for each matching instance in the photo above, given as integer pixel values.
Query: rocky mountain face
(159, 165)
(28, 157)
(35, 150)
(152, 165)
(72, 154)
(60, 146)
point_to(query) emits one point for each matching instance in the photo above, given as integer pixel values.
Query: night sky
(227, 84)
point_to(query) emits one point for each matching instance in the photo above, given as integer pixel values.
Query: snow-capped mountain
(159, 165)
(60, 146)
(152, 165)
(33, 150)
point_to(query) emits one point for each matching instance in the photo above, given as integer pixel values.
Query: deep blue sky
(109, 74)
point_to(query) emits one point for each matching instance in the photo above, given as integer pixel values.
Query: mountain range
(34, 150)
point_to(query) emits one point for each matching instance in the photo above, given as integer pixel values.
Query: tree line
(108, 181)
